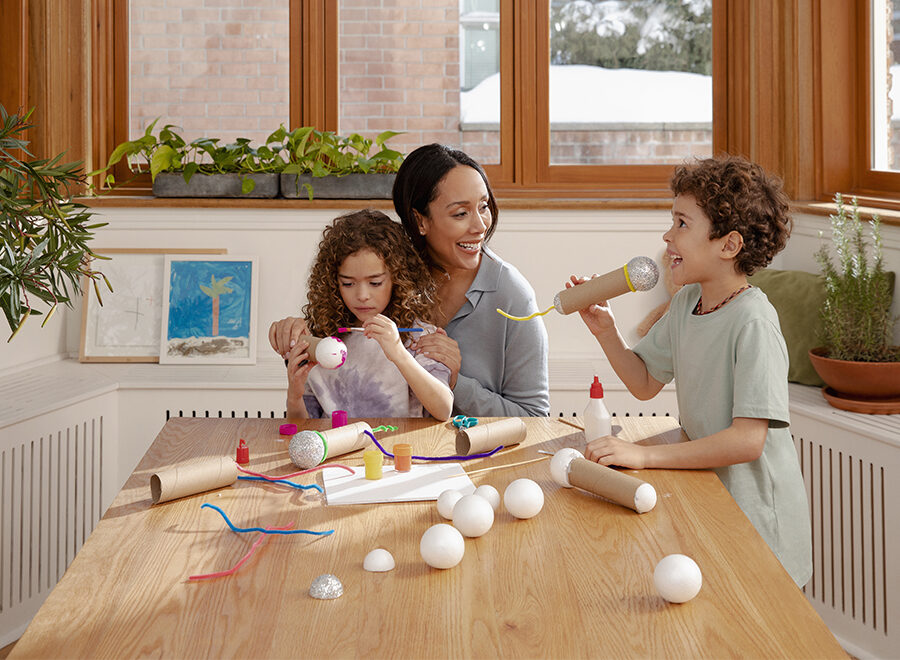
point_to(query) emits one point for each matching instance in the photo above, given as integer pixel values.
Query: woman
(498, 367)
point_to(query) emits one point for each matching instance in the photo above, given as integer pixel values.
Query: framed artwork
(209, 310)
(125, 328)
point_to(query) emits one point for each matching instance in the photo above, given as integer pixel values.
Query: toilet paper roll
(484, 437)
(309, 448)
(611, 484)
(191, 478)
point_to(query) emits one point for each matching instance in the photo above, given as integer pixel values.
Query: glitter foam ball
(307, 450)
(326, 587)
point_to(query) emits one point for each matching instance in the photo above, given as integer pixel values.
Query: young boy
(722, 343)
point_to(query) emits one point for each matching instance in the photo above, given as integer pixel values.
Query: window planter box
(350, 186)
(171, 184)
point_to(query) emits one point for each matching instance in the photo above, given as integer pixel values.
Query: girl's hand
(609, 450)
(598, 318)
(298, 369)
(384, 331)
(441, 348)
(283, 334)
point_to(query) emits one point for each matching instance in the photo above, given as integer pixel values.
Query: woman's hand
(384, 331)
(609, 450)
(283, 334)
(598, 318)
(441, 348)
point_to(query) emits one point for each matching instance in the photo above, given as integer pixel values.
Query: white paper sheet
(421, 483)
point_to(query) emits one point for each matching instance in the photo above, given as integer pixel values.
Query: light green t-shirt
(733, 363)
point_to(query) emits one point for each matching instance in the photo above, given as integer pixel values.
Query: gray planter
(171, 184)
(351, 186)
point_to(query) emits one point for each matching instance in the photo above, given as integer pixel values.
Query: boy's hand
(609, 450)
(384, 331)
(598, 318)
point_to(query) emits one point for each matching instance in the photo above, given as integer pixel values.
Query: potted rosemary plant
(858, 361)
(44, 235)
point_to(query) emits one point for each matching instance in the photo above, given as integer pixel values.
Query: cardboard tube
(331, 354)
(611, 484)
(600, 288)
(192, 478)
(484, 437)
(345, 439)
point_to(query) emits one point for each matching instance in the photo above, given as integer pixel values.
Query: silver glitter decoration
(326, 587)
(307, 450)
(558, 303)
(643, 273)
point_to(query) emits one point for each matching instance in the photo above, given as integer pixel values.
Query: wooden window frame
(782, 70)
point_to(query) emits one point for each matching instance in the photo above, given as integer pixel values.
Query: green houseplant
(857, 360)
(202, 167)
(44, 235)
(329, 165)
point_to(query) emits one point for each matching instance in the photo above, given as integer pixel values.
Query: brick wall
(215, 68)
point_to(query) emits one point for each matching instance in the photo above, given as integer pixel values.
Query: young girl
(367, 274)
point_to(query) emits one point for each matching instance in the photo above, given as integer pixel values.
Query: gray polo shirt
(504, 362)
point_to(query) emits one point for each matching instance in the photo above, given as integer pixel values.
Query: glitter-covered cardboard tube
(193, 478)
(484, 437)
(309, 448)
(613, 485)
(639, 274)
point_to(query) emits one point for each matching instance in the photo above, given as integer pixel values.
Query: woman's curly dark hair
(740, 196)
(413, 288)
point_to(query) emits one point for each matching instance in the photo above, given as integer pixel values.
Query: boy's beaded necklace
(697, 311)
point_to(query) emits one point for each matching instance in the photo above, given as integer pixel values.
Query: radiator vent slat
(849, 516)
(50, 501)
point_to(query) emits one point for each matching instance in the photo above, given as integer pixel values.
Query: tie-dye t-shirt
(367, 384)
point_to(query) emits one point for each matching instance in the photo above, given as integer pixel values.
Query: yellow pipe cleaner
(524, 318)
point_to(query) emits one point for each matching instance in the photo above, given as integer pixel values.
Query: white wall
(547, 246)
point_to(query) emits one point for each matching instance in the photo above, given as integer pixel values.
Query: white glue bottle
(597, 422)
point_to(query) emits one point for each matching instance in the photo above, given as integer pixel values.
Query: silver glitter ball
(326, 587)
(643, 273)
(307, 450)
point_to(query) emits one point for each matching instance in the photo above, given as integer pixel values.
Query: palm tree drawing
(214, 290)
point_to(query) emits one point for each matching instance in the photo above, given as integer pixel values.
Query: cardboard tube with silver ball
(570, 468)
(639, 274)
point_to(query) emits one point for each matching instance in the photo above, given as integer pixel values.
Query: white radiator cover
(851, 467)
(57, 477)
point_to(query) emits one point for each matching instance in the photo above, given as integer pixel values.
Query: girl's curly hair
(740, 196)
(413, 288)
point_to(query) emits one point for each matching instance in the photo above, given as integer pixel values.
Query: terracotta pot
(875, 380)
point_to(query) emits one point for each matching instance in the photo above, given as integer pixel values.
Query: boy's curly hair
(740, 196)
(413, 288)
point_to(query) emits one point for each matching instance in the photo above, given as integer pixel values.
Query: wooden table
(574, 581)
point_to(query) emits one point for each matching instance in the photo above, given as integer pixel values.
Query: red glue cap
(243, 453)
(596, 388)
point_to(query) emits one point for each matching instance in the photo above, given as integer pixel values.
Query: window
(807, 89)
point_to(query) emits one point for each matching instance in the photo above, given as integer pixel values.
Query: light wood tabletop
(574, 581)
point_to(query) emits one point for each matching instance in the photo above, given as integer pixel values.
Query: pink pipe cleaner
(296, 474)
(231, 571)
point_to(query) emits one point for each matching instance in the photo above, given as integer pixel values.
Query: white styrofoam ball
(523, 498)
(677, 578)
(490, 494)
(331, 353)
(446, 501)
(473, 515)
(379, 560)
(559, 465)
(442, 546)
